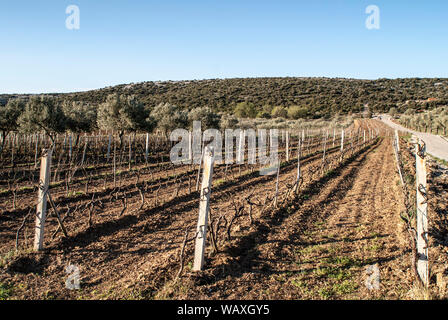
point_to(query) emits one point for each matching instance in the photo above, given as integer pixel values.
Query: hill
(321, 96)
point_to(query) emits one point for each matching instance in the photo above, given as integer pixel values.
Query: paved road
(435, 145)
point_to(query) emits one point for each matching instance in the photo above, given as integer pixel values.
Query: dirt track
(321, 250)
(436, 145)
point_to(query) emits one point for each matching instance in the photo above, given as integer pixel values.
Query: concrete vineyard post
(42, 199)
(422, 211)
(342, 144)
(201, 235)
(287, 145)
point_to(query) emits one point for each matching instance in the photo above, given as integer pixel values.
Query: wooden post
(41, 209)
(342, 144)
(276, 185)
(35, 151)
(130, 153)
(299, 150)
(85, 149)
(13, 144)
(147, 147)
(422, 211)
(397, 157)
(334, 137)
(114, 169)
(70, 143)
(397, 140)
(206, 186)
(190, 148)
(241, 145)
(323, 157)
(200, 165)
(108, 148)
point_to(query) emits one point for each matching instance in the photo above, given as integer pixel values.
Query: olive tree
(393, 111)
(124, 114)
(9, 115)
(43, 113)
(209, 119)
(245, 110)
(80, 117)
(279, 112)
(296, 112)
(228, 121)
(169, 117)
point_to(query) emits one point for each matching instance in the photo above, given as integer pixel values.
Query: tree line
(118, 113)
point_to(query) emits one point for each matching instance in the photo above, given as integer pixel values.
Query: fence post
(108, 147)
(334, 136)
(395, 145)
(422, 211)
(130, 153)
(287, 145)
(201, 235)
(324, 153)
(397, 140)
(241, 146)
(114, 168)
(342, 144)
(70, 143)
(190, 148)
(299, 149)
(13, 145)
(35, 151)
(42, 198)
(146, 147)
(85, 149)
(276, 185)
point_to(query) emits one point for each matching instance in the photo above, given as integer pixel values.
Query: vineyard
(333, 214)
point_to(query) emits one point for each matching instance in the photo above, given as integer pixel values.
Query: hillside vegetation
(310, 97)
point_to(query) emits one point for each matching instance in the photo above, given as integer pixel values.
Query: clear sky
(133, 41)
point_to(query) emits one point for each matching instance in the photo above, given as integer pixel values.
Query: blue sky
(132, 41)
